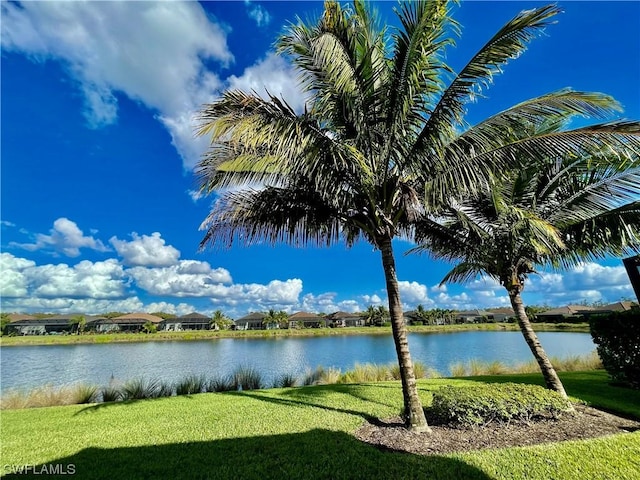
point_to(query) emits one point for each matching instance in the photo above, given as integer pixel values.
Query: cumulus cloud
(146, 251)
(327, 303)
(65, 237)
(187, 278)
(153, 52)
(258, 13)
(273, 75)
(99, 280)
(13, 281)
(590, 282)
(414, 293)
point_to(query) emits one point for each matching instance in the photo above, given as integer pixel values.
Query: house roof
(473, 313)
(336, 315)
(134, 317)
(194, 316)
(568, 310)
(305, 316)
(502, 310)
(252, 317)
(618, 307)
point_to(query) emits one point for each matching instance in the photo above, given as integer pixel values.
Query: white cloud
(590, 282)
(146, 251)
(326, 302)
(13, 282)
(65, 238)
(6, 223)
(374, 300)
(414, 293)
(187, 278)
(272, 74)
(153, 52)
(23, 278)
(258, 13)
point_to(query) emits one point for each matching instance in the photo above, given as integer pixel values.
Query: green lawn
(8, 341)
(293, 433)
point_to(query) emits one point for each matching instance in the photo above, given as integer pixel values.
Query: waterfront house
(344, 319)
(253, 321)
(134, 322)
(473, 316)
(190, 321)
(28, 325)
(306, 320)
(566, 314)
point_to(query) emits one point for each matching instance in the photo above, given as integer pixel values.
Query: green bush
(502, 403)
(617, 337)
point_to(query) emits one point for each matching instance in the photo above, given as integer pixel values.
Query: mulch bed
(389, 434)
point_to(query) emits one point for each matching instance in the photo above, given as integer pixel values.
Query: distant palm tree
(278, 319)
(219, 321)
(377, 146)
(556, 212)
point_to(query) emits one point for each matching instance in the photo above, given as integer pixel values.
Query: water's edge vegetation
(8, 341)
(248, 378)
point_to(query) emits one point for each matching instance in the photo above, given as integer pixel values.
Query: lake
(26, 367)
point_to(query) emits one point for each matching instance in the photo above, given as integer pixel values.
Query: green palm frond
(464, 272)
(508, 43)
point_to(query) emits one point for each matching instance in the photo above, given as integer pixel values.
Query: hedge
(617, 336)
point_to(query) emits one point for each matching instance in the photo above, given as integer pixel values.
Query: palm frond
(508, 43)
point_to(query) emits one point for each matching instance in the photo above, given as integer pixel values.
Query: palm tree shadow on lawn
(314, 454)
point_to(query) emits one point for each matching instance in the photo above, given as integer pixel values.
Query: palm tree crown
(378, 145)
(555, 212)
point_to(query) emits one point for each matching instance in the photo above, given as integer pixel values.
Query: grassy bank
(294, 433)
(6, 341)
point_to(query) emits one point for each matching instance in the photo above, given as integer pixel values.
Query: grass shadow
(315, 454)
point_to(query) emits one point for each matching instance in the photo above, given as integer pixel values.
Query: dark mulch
(389, 434)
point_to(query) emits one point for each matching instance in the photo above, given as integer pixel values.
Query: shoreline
(194, 335)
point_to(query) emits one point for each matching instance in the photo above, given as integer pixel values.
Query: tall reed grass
(248, 378)
(566, 364)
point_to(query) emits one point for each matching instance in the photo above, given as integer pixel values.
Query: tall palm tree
(378, 144)
(555, 212)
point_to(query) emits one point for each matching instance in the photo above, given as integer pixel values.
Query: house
(28, 325)
(472, 316)
(563, 314)
(252, 321)
(306, 320)
(100, 324)
(617, 307)
(412, 318)
(134, 322)
(501, 314)
(190, 321)
(344, 319)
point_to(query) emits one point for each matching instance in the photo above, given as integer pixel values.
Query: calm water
(32, 366)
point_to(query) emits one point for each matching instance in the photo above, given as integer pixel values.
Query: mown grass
(300, 433)
(8, 341)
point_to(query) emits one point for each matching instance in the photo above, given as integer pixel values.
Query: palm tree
(378, 145)
(279, 318)
(555, 212)
(220, 321)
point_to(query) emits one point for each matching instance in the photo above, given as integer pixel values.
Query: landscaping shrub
(247, 378)
(138, 389)
(221, 385)
(482, 404)
(617, 337)
(285, 380)
(111, 393)
(191, 385)
(86, 394)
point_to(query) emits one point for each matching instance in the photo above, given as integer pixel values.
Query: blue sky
(98, 208)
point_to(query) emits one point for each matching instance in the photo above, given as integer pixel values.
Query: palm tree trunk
(548, 372)
(413, 412)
